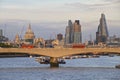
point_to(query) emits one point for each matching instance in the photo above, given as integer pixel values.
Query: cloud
(103, 3)
(90, 11)
(94, 5)
(112, 1)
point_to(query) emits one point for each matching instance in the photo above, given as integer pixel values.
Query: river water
(102, 68)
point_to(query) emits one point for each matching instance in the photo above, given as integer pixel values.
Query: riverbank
(11, 55)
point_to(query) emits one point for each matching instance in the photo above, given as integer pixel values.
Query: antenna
(21, 32)
(90, 37)
(5, 30)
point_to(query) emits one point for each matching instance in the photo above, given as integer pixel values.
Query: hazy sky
(54, 14)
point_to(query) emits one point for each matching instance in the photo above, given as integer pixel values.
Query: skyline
(53, 15)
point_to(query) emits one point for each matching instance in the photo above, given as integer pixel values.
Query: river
(23, 68)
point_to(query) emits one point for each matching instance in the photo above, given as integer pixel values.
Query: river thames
(102, 68)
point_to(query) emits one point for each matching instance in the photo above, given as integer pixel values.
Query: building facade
(113, 41)
(17, 39)
(73, 34)
(102, 32)
(2, 38)
(1, 32)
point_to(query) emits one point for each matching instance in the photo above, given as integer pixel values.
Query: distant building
(113, 41)
(2, 38)
(59, 36)
(77, 32)
(102, 32)
(17, 39)
(48, 43)
(29, 35)
(1, 32)
(55, 42)
(73, 33)
(39, 42)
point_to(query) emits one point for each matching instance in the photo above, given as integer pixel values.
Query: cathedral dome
(29, 33)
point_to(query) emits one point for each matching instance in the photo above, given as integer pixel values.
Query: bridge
(59, 52)
(55, 53)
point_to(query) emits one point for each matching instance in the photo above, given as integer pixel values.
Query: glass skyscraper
(73, 33)
(102, 32)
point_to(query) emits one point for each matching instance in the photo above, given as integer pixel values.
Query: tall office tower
(29, 35)
(77, 32)
(68, 33)
(73, 33)
(102, 32)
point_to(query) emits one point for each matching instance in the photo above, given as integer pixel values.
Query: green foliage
(3, 45)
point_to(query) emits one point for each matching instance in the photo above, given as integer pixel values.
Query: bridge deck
(59, 52)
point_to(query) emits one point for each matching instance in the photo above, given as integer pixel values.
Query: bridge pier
(54, 62)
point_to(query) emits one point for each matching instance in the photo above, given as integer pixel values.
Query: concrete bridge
(54, 53)
(59, 52)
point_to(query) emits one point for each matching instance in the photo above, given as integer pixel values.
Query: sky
(50, 17)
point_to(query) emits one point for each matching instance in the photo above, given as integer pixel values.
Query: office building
(102, 32)
(73, 34)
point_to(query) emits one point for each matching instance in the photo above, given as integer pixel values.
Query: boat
(84, 56)
(30, 56)
(95, 56)
(111, 55)
(67, 57)
(117, 66)
(44, 60)
(61, 61)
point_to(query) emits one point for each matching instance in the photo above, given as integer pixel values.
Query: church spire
(29, 30)
(29, 26)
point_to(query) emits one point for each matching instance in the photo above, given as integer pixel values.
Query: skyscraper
(73, 33)
(68, 32)
(77, 37)
(102, 32)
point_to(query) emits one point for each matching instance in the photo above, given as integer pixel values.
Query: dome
(29, 33)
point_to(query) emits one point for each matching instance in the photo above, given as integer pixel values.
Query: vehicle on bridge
(27, 46)
(78, 45)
